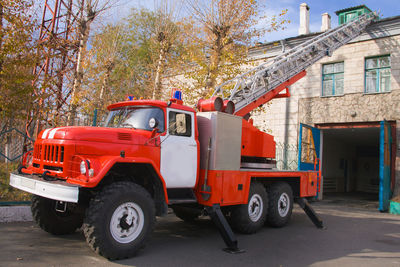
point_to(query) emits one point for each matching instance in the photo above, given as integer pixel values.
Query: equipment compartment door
(385, 143)
(179, 150)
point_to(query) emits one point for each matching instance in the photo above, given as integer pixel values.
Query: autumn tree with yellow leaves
(219, 37)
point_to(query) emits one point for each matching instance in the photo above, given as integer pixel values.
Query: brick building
(352, 97)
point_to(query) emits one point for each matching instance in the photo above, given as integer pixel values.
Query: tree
(130, 57)
(104, 62)
(16, 59)
(223, 32)
(90, 10)
(159, 32)
(166, 33)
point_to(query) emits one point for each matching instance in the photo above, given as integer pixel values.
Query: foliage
(16, 58)
(105, 74)
(159, 35)
(89, 11)
(117, 65)
(130, 58)
(139, 55)
(7, 192)
(220, 33)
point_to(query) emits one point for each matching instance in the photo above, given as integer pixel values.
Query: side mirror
(153, 123)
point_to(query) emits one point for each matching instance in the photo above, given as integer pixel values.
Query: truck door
(385, 144)
(309, 151)
(179, 150)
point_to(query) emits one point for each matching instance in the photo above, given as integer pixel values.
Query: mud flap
(224, 229)
(303, 203)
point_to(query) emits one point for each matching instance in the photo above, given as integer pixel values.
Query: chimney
(304, 19)
(326, 22)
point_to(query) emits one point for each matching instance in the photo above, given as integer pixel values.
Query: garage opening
(350, 166)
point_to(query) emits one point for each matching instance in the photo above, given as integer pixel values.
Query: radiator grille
(49, 153)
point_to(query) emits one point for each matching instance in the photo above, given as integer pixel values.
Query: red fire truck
(150, 155)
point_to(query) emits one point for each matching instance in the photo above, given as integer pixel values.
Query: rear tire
(119, 220)
(280, 204)
(250, 217)
(52, 221)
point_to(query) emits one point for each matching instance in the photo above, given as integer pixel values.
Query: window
(351, 16)
(332, 79)
(377, 74)
(180, 124)
(135, 118)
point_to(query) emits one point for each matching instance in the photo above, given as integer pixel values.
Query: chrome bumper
(57, 190)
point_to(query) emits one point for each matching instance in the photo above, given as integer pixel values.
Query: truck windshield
(135, 117)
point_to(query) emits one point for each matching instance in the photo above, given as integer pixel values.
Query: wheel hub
(283, 204)
(127, 222)
(124, 224)
(255, 207)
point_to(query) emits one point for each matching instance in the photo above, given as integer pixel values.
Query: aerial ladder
(267, 81)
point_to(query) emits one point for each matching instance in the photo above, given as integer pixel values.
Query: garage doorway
(358, 161)
(350, 165)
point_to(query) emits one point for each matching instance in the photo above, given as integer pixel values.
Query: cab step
(181, 195)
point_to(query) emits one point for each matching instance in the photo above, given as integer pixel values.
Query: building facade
(352, 98)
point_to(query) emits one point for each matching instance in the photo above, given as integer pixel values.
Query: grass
(7, 192)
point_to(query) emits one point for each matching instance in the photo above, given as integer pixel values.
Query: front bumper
(57, 190)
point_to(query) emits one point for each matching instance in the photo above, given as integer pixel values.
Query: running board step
(181, 196)
(181, 201)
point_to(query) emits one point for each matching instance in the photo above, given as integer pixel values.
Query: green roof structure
(348, 14)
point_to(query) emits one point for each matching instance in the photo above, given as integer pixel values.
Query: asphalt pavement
(355, 236)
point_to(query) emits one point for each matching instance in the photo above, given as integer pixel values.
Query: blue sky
(386, 8)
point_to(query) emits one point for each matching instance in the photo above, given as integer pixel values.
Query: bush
(7, 192)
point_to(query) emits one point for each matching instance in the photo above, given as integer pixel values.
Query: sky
(386, 8)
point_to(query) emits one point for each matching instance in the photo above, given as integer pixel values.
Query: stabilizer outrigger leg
(310, 212)
(224, 229)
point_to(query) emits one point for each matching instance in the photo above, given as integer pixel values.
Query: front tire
(55, 222)
(119, 220)
(250, 217)
(280, 204)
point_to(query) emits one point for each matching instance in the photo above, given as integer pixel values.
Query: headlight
(83, 167)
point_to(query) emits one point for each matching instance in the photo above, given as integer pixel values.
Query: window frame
(190, 123)
(126, 109)
(378, 89)
(333, 74)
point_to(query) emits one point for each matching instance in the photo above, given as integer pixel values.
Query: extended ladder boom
(259, 85)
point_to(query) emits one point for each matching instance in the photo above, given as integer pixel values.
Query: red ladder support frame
(274, 93)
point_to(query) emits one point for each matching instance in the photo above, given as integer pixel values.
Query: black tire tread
(239, 218)
(46, 217)
(274, 192)
(93, 220)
